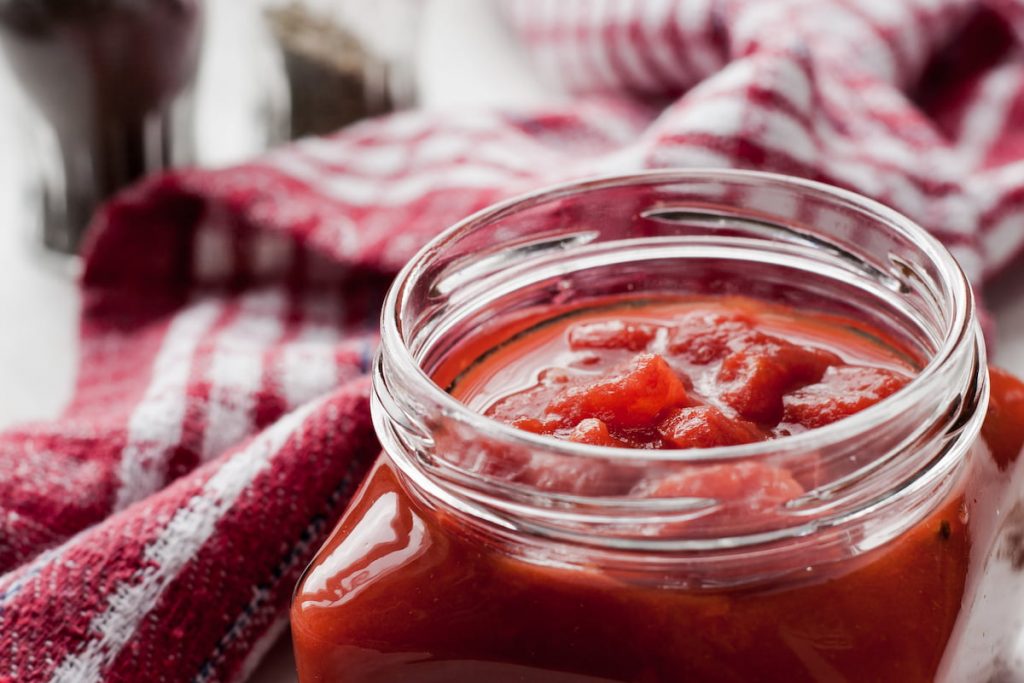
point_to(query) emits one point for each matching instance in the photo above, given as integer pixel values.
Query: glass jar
(900, 564)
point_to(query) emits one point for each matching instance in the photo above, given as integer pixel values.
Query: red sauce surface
(684, 374)
(405, 592)
(672, 374)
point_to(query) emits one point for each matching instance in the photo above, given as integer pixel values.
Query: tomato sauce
(405, 592)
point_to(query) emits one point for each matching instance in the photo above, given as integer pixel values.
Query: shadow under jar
(477, 551)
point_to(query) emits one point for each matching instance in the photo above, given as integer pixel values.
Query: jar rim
(960, 320)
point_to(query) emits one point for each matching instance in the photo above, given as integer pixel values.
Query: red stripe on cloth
(296, 498)
(59, 478)
(186, 454)
(22, 538)
(116, 354)
(39, 628)
(627, 51)
(270, 401)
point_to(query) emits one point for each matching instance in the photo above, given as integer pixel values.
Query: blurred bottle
(110, 81)
(345, 59)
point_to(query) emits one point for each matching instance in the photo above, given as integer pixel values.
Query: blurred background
(259, 80)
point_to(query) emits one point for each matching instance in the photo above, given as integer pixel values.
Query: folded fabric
(220, 418)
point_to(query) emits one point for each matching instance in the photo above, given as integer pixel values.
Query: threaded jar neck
(692, 232)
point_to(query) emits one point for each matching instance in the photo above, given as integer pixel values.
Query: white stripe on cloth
(307, 367)
(774, 129)
(630, 50)
(694, 19)
(597, 50)
(236, 369)
(656, 15)
(155, 426)
(969, 259)
(991, 187)
(504, 148)
(505, 151)
(740, 73)
(501, 146)
(261, 608)
(568, 62)
(406, 127)
(612, 127)
(1001, 241)
(666, 154)
(897, 20)
(402, 191)
(172, 550)
(377, 161)
(720, 117)
(984, 120)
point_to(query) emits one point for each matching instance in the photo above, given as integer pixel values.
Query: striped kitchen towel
(219, 423)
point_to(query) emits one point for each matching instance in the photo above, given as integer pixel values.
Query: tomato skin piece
(763, 369)
(706, 427)
(631, 397)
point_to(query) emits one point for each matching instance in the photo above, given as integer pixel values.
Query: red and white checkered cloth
(155, 531)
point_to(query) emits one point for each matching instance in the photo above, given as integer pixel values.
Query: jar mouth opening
(958, 310)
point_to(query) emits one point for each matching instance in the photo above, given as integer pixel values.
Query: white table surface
(465, 59)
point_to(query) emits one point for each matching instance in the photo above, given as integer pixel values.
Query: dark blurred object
(332, 79)
(345, 59)
(111, 78)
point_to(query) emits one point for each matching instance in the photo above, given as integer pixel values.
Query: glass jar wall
(890, 559)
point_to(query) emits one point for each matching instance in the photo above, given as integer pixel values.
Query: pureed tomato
(404, 592)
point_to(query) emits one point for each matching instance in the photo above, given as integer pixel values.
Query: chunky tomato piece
(631, 397)
(535, 425)
(704, 336)
(685, 375)
(594, 432)
(751, 485)
(575, 476)
(520, 409)
(762, 369)
(841, 392)
(706, 427)
(611, 334)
